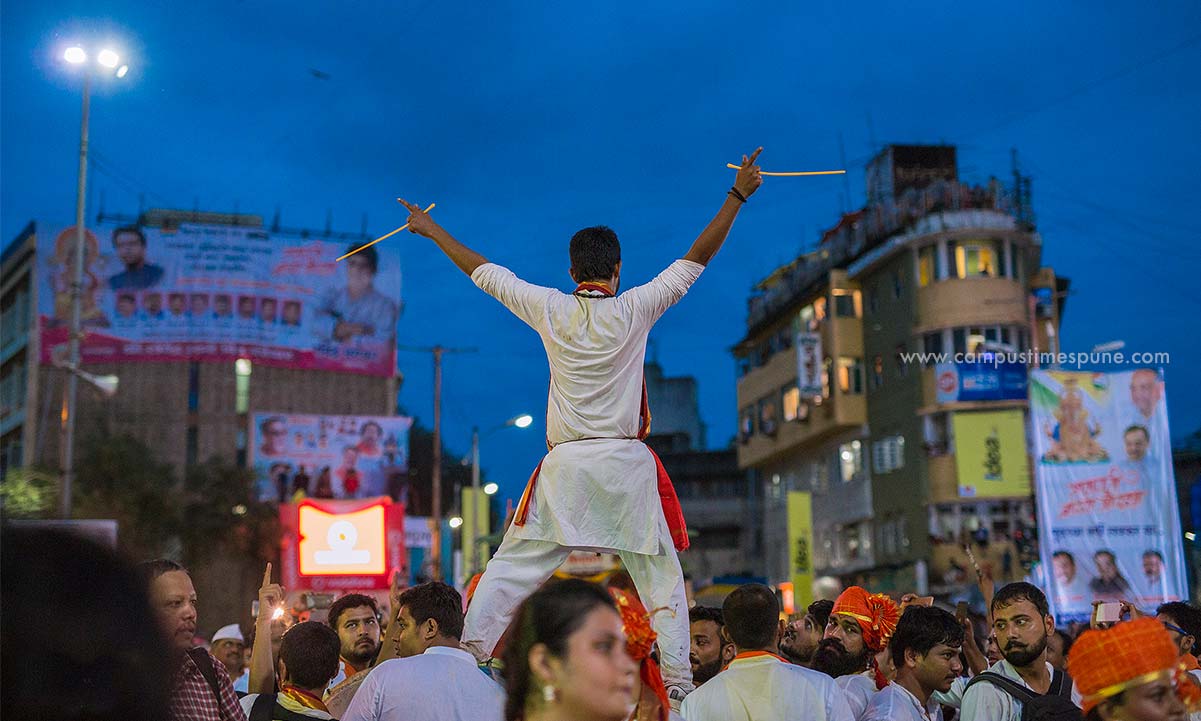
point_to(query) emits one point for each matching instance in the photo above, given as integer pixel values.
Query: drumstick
(972, 557)
(382, 237)
(804, 172)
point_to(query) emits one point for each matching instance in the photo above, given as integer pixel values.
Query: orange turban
(876, 613)
(640, 641)
(1107, 663)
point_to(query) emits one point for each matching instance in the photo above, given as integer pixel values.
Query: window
(888, 454)
(827, 377)
(959, 340)
(846, 304)
(242, 370)
(936, 432)
(746, 424)
(932, 344)
(975, 341)
(926, 270)
(898, 284)
(769, 421)
(877, 371)
(850, 461)
(976, 258)
(850, 375)
(791, 402)
(1002, 268)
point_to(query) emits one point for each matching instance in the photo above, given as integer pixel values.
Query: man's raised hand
(420, 221)
(271, 595)
(748, 179)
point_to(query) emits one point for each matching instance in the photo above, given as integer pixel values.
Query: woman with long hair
(566, 658)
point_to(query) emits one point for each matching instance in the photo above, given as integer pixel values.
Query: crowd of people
(89, 636)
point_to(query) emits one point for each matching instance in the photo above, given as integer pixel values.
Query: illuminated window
(242, 369)
(850, 375)
(926, 266)
(848, 303)
(791, 402)
(976, 258)
(850, 461)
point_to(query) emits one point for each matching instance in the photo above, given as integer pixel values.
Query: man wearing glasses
(1183, 621)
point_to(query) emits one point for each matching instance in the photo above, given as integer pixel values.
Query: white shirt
(764, 688)
(859, 690)
(599, 494)
(894, 702)
(442, 684)
(986, 702)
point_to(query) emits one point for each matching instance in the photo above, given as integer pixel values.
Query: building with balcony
(931, 268)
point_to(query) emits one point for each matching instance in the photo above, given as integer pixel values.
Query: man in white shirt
(1022, 622)
(600, 487)
(859, 628)
(308, 659)
(925, 649)
(434, 679)
(758, 685)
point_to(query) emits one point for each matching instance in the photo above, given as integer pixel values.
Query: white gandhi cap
(230, 632)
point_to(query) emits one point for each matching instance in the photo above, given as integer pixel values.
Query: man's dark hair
(595, 253)
(368, 254)
(347, 602)
(1137, 428)
(1011, 593)
(310, 650)
(921, 628)
(1153, 552)
(130, 229)
(1186, 615)
(1064, 554)
(150, 570)
(1112, 558)
(265, 424)
(438, 601)
(1066, 639)
(820, 610)
(706, 613)
(378, 427)
(752, 614)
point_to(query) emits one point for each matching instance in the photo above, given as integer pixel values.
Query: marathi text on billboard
(210, 293)
(990, 454)
(1108, 519)
(299, 456)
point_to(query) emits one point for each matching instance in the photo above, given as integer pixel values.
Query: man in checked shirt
(201, 689)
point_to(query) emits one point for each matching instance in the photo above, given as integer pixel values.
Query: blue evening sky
(525, 121)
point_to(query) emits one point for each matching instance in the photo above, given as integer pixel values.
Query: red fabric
(640, 641)
(667, 491)
(876, 613)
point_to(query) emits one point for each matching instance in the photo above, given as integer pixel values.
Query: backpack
(265, 708)
(1055, 705)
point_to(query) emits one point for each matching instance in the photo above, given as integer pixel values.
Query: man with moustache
(802, 635)
(711, 649)
(1022, 622)
(925, 650)
(356, 619)
(859, 628)
(201, 689)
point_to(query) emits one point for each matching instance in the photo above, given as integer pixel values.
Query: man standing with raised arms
(600, 487)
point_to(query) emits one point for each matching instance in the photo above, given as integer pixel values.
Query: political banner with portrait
(216, 292)
(1109, 526)
(298, 456)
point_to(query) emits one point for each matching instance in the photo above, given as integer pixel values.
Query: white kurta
(986, 702)
(598, 486)
(859, 688)
(442, 684)
(764, 688)
(894, 702)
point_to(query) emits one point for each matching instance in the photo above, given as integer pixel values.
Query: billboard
(800, 545)
(1108, 518)
(809, 364)
(298, 456)
(213, 293)
(898, 168)
(341, 545)
(990, 454)
(986, 381)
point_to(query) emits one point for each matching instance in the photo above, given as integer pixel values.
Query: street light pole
(476, 531)
(76, 305)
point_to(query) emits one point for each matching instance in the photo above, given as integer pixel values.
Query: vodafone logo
(948, 381)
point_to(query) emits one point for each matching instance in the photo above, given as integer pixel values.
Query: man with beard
(711, 649)
(925, 650)
(758, 685)
(356, 619)
(228, 646)
(1022, 622)
(201, 689)
(859, 628)
(802, 635)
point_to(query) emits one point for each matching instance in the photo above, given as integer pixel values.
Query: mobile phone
(961, 610)
(1109, 612)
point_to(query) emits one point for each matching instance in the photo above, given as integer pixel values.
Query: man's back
(763, 688)
(442, 684)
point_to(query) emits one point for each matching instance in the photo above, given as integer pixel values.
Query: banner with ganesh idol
(1109, 525)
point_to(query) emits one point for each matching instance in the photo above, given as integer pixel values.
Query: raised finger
(267, 575)
(412, 208)
(756, 153)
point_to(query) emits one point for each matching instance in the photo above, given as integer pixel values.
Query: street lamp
(109, 59)
(522, 421)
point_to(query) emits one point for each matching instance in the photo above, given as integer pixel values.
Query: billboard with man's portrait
(215, 292)
(1109, 525)
(299, 456)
